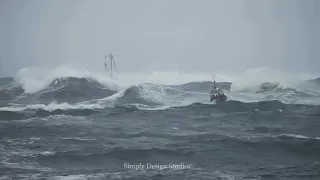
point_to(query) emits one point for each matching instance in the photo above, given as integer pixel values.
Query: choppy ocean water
(78, 128)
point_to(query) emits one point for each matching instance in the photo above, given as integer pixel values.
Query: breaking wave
(41, 91)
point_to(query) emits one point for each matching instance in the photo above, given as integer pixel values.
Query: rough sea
(67, 126)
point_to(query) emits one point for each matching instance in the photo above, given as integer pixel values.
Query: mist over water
(62, 117)
(185, 36)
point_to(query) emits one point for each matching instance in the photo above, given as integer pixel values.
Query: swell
(138, 95)
(9, 90)
(194, 148)
(72, 95)
(282, 142)
(41, 113)
(70, 90)
(73, 90)
(203, 87)
(237, 106)
(12, 115)
(5, 81)
(86, 110)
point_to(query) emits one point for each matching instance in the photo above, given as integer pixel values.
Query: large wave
(65, 88)
(252, 79)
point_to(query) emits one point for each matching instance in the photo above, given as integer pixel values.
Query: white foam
(46, 153)
(34, 79)
(37, 78)
(145, 107)
(53, 106)
(79, 139)
(71, 177)
(298, 136)
(251, 79)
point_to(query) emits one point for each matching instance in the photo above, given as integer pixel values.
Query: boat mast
(105, 63)
(112, 66)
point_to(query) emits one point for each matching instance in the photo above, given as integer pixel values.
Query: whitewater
(72, 123)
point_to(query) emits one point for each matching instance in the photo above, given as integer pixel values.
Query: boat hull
(218, 98)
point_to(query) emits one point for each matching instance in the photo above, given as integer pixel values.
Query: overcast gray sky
(183, 35)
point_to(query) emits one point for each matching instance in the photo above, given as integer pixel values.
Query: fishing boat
(216, 94)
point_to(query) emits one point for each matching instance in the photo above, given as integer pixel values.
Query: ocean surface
(82, 128)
